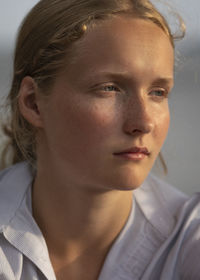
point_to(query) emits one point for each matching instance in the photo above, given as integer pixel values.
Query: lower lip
(133, 156)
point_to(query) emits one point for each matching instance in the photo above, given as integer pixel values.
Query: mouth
(134, 153)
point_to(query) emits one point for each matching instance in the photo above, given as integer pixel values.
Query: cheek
(162, 126)
(96, 123)
(88, 122)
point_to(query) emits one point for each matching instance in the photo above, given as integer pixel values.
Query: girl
(89, 115)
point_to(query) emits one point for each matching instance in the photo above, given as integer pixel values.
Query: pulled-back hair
(45, 38)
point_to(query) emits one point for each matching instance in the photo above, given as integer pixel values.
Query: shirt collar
(16, 220)
(14, 182)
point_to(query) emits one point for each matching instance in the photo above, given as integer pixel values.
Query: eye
(110, 88)
(160, 93)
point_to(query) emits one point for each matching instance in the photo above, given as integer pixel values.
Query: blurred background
(181, 150)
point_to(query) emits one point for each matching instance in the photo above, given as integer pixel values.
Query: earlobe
(29, 102)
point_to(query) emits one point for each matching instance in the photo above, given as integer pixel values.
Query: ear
(29, 102)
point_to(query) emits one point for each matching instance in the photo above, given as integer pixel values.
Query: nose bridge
(138, 114)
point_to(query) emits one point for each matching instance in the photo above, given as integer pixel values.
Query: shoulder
(176, 217)
(14, 182)
(188, 243)
(183, 245)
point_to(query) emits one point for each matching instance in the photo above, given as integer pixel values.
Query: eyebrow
(168, 80)
(164, 80)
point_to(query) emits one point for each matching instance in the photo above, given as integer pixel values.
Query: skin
(88, 117)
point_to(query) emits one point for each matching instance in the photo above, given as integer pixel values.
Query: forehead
(124, 43)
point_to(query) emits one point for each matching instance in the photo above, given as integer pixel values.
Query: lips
(135, 150)
(134, 153)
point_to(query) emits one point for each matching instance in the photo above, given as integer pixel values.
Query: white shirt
(160, 241)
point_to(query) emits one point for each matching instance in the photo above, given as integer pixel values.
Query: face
(107, 115)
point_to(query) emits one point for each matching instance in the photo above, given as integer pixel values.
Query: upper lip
(141, 150)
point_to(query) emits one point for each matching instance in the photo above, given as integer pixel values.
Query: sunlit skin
(113, 96)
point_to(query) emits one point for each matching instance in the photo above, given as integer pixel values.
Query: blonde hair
(45, 38)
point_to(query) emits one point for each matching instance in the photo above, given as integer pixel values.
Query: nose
(138, 117)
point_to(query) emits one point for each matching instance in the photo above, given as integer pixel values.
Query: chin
(127, 176)
(131, 178)
(127, 183)
(128, 186)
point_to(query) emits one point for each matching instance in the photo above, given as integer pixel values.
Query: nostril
(136, 130)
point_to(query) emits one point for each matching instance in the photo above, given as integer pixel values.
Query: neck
(75, 219)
